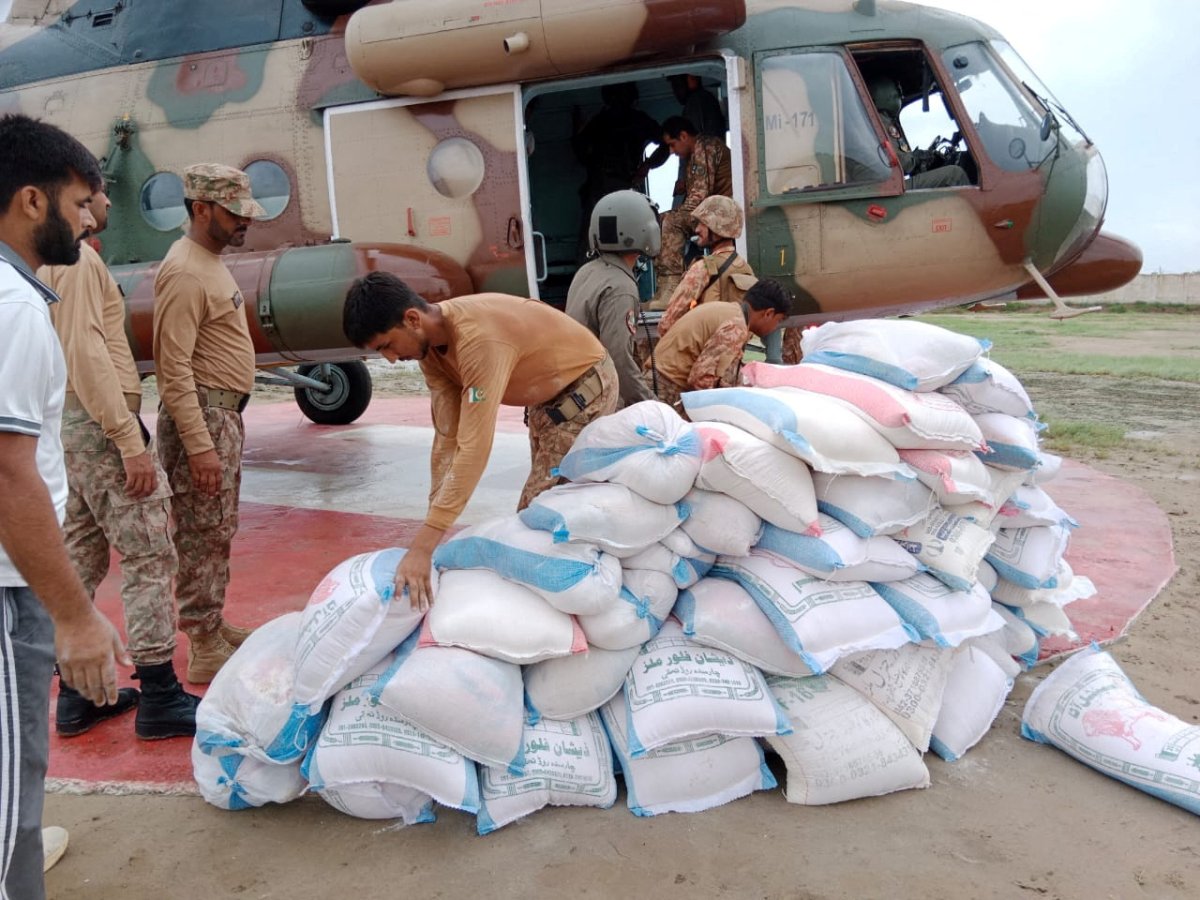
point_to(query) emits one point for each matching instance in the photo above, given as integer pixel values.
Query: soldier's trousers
(204, 524)
(100, 516)
(677, 227)
(550, 441)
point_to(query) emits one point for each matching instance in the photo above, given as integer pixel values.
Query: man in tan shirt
(117, 496)
(704, 348)
(476, 353)
(204, 363)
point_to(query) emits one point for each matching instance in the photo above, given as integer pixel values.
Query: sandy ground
(1011, 819)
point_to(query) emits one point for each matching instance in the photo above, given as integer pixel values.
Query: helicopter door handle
(540, 266)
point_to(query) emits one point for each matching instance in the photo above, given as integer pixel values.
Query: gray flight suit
(604, 298)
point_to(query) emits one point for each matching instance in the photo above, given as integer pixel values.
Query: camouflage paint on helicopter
(480, 176)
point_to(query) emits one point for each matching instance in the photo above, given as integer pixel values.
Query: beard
(54, 241)
(226, 237)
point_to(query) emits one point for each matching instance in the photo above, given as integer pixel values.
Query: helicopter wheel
(348, 396)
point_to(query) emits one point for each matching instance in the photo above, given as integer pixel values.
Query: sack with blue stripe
(647, 447)
(231, 780)
(371, 763)
(248, 707)
(576, 578)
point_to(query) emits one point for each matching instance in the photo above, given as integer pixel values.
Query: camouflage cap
(721, 214)
(224, 185)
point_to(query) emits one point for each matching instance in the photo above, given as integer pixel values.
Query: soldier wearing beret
(204, 362)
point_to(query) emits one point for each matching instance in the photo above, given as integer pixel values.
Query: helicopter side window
(816, 131)
(161, 201)
(1008, 123)
(270, 186)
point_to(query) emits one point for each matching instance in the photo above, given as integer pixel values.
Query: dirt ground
(1011, 819)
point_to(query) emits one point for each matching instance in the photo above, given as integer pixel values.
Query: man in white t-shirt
(46, 181)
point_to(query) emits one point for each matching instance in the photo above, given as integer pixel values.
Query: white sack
(1071, 587)
(719, 523)
(841, 747)
(938, 612)
(478, 610)
(912, 355)
(1012, 443)
(352, 621)
(687, 776)
(1089, 709)
(610, 515)
(648, 447)
(234, 781)
(841, 555)
(1030, 505)
(819, 430)
(677, 690)
(471, 703)
(988, 387)
(575, 578)
(698, 561)
(567, 763)
(774, 484)
(949, 546)
(644, 603)
(572, 686)
(248, 706)
(872, 505)
(1018, 637)
(719, 613)
(975, 694)
(820, 620)
(375, 765)
(1029, 557)
(906, 684)
(954, 476)
(907, 419)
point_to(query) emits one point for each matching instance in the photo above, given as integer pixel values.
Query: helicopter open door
(444, 174)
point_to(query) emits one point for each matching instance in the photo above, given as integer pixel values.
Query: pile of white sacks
(848, 561)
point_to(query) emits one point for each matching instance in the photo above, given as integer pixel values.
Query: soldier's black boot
(166, 709)
(74, 714)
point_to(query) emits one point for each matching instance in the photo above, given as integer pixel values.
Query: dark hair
(676, 125)
(43, 155)
(376, 303)
(188, 204)
(768, 294)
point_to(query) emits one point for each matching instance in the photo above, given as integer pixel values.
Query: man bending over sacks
(704, 347)
(477, 352)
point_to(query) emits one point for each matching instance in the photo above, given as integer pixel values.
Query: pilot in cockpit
(922, 168)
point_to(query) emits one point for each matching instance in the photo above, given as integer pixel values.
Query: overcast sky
(1127, 74)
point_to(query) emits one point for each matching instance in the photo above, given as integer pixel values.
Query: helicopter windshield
(1034, 85)
(1015, 132)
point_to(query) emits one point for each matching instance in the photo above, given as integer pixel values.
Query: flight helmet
(722, 215)
(624, 221)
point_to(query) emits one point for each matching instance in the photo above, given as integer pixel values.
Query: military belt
(72, 403)
(575, 397)
(222, 399)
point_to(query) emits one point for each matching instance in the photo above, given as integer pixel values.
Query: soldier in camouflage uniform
(709, 172)
(704, 349)
(722, 275)
(118, 495)
(204, 362)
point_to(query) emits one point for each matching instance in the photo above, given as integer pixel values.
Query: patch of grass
(1066, 437)
(1162, 367)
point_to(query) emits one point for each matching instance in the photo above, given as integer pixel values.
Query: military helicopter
(433, 139)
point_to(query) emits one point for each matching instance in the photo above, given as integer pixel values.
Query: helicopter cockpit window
(161, 201)
(1009, 124)
(1034, 85)
(455, 168)
(270, 186)
(816, 131)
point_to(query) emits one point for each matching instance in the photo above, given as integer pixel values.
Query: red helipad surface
(282, 551)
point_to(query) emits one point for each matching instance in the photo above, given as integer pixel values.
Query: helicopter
(434, 139)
